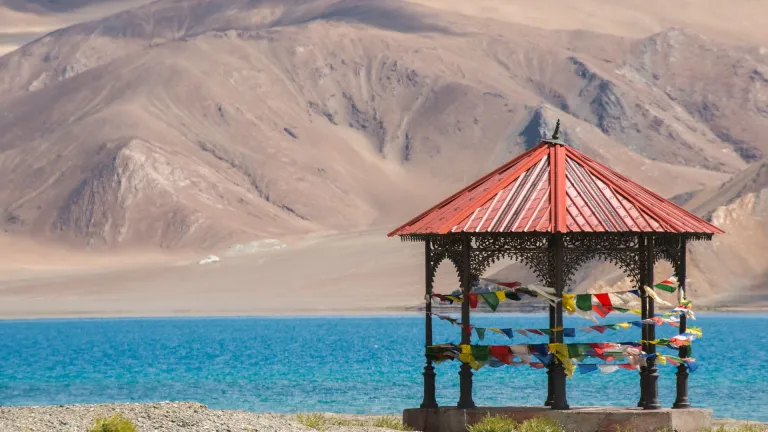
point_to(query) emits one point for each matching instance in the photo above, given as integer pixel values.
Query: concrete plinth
(577, 419)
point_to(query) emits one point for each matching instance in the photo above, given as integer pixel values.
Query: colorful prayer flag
(584, 302)
(472, 300)
(668, 285)
(491, 300)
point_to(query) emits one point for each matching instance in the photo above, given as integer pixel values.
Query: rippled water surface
(340, 364)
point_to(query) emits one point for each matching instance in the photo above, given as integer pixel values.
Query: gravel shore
(154, 417)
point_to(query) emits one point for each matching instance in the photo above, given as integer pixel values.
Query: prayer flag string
(568, 332)
(540, 355)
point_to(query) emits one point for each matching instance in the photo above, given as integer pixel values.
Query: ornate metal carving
(601, 241)
(445, 247)
(668, 247)
(528, 249)
(621, 250)
(531, 249)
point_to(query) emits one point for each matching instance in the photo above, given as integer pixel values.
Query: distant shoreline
(340, 313)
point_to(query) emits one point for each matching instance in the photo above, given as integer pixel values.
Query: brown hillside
(321, 115)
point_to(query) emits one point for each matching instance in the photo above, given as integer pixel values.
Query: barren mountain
(194, 124)
(22, 21)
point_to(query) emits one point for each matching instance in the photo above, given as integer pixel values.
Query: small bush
(116, 423)
(541, 424)
(312, 420)
(494, 424)
(749, 427)
(506, 424)
(321, 422)
(390, 422)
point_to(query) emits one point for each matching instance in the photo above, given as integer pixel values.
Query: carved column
(429, 400)
(681, 401)
(644, 311)
(652, 378)
(559, 400)
(465, 372)
(552, 339)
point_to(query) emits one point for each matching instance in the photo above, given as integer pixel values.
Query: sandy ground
(357, 273)
(363, 272)
(164, 416)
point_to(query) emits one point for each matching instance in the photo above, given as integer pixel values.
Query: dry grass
(322, 422)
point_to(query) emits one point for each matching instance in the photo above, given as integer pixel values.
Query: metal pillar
(652, 378)
(465, 372)
(643, 313)
(559, 400)
(552, 339)
(429, 400)
(681, 401)
(550, 380)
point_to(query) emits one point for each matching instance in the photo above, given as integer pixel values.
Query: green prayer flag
(584, 302)
(480, 333)
(547, 332)
(664, 287)
(577, 351)
(614, 327)
(491, 299)
(481, 352)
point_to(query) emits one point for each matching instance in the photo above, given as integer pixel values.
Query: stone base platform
(577, 419)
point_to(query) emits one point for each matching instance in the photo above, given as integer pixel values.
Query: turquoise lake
(342, 364)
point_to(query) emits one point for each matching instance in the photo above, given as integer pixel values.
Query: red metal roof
(554, 188)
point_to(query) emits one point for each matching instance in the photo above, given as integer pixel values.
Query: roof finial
(555, 135)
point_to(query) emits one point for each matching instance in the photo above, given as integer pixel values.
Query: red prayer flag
(472, 300)
(598, 309)
(598, 328)
(502, 353)
(509, 284)
(605, 301)
(627, 366)
(534, 331)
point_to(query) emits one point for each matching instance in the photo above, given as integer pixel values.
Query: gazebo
(554, 209)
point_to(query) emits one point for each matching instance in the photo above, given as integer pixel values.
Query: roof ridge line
(658, 216)
(533, 158)
(627, 195)
(660, 198)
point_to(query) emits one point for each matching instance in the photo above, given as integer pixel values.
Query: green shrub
(312, 420)
(505, 424)
(390, 422)
(116, 423)
(494, 424)
(322, 422)
(540, 424)
(749, 427)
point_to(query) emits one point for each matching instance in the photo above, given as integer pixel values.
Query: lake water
(341, 364)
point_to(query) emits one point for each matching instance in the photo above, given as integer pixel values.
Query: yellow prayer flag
(502, 297)
(561, 352)
(624, 325)
(694, 330)
(569, 302)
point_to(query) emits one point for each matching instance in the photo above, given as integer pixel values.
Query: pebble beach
(154, 417)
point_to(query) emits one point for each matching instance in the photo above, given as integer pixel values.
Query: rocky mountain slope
(187, 123)
(192, 124)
